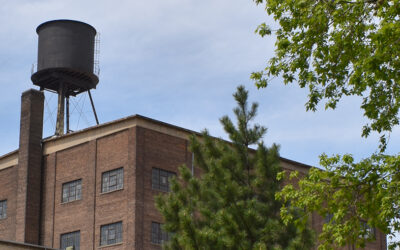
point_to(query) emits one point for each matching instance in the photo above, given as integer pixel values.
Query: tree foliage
(232, 205)
(356, 196)
(339, 48)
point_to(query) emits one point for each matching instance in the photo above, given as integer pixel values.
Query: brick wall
(87, 162)
(137, 150)
(73, 164)
(8, 191)
(112, 153)
(162, 151)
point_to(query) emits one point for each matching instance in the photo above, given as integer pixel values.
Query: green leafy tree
(356, 196)
(338, 48)
(232, 204)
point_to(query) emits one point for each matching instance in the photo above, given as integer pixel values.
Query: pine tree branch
(248, 230)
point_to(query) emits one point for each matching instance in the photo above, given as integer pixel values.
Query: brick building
(94, 188)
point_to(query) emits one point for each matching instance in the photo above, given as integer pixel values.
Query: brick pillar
(29, 167)
(139, 187)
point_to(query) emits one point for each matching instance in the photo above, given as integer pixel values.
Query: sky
(177, 61)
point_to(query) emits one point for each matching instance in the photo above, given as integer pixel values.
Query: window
(328, 217)
(368, 232)
(111, 234)
(158, 236)
(112, 180)
(3, 209)
(70, 240)
(72, 191)
(161, 179)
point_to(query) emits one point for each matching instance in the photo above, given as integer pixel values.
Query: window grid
(112, 180)
(70, 239)
(328, 218)
(111, 234)
(72, 191)
(161, 179)
(369, 232)
(3, 209)
(158, 236)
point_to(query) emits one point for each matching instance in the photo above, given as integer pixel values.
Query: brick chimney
(29, 167)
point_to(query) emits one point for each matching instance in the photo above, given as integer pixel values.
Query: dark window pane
(155, 178)
(369, 232)
(112, 180)
(328, 218)
(111, 234)
(78, 190)
(158, 236)
(120, 179)
(3, 209)
(70, 239)
(71, 191)
(160, 179)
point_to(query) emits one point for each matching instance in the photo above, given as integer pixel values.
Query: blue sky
(178, 61)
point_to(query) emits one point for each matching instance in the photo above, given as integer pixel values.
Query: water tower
(66, 63)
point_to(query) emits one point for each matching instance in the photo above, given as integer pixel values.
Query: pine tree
(232, 205)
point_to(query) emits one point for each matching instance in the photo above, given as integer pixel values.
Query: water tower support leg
(67, 104)
(60, 110)
(94, 110)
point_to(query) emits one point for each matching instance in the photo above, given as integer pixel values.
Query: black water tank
(66, 53)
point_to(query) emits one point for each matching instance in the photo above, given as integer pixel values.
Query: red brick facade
(136, 144)
(137, 150)
(8, 191)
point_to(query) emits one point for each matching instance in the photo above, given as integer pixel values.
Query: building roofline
(57, 143)
(133, 121)
(8, 154)
(8, 160)
(298, 164)
(128, 118)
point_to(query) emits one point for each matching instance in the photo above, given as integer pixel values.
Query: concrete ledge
(9, 160)
(12, 245)
(57, 143)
